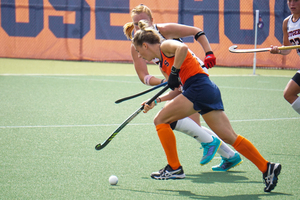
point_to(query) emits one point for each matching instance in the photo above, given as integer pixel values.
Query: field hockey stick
(141, 93)
(233, 49)
(131, 117)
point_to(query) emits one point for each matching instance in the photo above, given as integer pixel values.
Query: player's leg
(192, 129)
(225, 151)
(219, 123)
(230, 158)
(174, 169)
(210, 143)
(203, 135)
(291, 92)
(189, 126)
(162, 122)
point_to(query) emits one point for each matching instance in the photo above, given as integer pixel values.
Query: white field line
(137, 82)
(135, 124)
(246, 88)
(77, 77)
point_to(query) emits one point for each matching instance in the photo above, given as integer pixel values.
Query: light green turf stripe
(10, 66)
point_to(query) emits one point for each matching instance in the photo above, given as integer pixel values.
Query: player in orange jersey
(199, 94)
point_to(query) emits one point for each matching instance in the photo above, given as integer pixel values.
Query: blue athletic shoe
(228, 163)
(210, 149)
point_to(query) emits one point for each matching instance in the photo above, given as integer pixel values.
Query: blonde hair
(128, 27)
(145, 34)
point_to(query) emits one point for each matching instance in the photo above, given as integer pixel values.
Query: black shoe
(271, 176)
(168, 173)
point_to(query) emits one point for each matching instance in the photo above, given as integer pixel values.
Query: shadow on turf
(231, 197)
(189, 194)
(228, 177)
(213, 177)
(210, 178)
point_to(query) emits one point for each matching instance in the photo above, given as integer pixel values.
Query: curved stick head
(232, 48)
(98, 147)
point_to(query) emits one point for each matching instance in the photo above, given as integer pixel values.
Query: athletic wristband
(155, 102)
(162, 80)
(199, 34)
(208, 53)
(174, 70)
(147, 79)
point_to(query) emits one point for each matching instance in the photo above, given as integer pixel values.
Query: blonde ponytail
(128, 29)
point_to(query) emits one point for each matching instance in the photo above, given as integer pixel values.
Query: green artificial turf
(50, 124)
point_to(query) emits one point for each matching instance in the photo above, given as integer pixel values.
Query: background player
(291, 36)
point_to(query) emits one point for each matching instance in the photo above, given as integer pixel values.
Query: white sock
(296, 105)
(224, 149)
(191, 128)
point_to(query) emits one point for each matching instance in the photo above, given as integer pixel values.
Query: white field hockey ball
(113, 180)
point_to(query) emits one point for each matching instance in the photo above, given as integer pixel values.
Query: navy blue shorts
(203, 93)
(296, 78)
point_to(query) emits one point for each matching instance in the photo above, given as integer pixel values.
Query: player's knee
(285, 94)
(288, 96)
(160, 120)
(157, 121)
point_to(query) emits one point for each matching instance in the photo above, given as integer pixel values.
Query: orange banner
(92, 29)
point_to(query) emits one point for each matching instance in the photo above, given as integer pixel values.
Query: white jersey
(162, 38)
(293, 29)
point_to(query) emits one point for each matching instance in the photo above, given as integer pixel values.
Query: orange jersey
(189, 67)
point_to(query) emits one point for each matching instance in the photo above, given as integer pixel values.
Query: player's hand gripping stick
(174, 80)
(210, 60)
